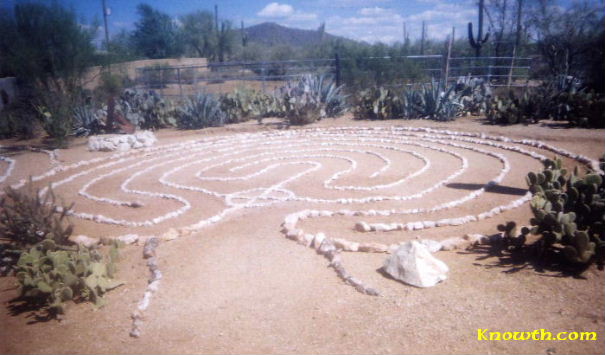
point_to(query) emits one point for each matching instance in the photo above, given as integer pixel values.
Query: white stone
(128, 238)
(362, 227)
(171, 234)
(319, 238)
(433, 245)
(414, 264)
(84, 240)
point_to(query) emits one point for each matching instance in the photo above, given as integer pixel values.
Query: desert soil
(240, 286)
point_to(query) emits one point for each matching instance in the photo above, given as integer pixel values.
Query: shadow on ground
(514, 259)
(498, 189)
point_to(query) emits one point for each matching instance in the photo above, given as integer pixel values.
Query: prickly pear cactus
(569, 212)
(511, 239)
(52, 274)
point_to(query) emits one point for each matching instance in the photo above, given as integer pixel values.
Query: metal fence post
(178, 77)
(337, 69)
(512, 65)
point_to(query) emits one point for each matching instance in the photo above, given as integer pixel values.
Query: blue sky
(368, 20)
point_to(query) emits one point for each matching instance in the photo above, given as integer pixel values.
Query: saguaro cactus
(480, 41)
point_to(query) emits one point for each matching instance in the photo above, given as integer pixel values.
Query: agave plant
(86, 121)
(474, 94)
(200, 111)
(329, 94)
(439, 103)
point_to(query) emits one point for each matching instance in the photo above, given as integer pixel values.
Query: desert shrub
(559, 98)
(55, 112)
(26, 218)
(200, 111)
(568, 212)
(50, 269)
(17, 121)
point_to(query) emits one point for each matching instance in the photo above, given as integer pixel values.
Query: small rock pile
(121, 142)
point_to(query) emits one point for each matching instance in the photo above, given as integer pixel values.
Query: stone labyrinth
(378, 182)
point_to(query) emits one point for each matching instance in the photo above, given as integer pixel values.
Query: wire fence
(355, 73)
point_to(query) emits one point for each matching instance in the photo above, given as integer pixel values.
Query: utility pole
(216, 17)
(422, 38)
(105, 14)
(518, 34)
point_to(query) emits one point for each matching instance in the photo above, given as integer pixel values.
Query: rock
(346, 245)
(171, 234)
(128, 238)
(121, 142)
(414, 264)
(123, 147)
(319, 238)
(84, 240)
(432, 245)
(373, 247)
(452, 243)
(362, 227)
(150, 245)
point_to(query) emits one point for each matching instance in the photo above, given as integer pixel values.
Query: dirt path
(240, 286)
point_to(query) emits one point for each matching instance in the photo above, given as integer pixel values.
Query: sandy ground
(239, 286)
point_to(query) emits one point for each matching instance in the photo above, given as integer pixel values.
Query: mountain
(272, 34)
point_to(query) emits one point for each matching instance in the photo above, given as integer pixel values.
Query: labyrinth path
(387, 184)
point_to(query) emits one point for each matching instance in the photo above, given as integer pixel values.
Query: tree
(570, 41)
(156, 35)
(198, 33)
(45, 47)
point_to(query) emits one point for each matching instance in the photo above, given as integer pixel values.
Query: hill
(269, 33)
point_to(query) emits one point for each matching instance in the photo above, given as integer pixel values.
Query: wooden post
(512, 65)
(337, 69)
(448, 56)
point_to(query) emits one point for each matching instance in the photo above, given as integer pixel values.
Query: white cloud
(286, 15)
(373, 11)
(276, 10)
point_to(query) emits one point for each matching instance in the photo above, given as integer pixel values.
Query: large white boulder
(121, 142)
(414, 264)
